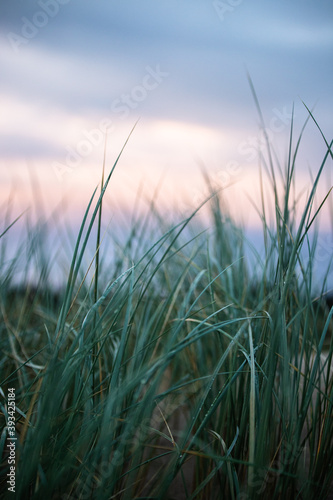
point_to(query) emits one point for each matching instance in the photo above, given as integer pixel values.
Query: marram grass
(174, 373)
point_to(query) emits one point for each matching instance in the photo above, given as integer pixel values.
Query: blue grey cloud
(87, 54)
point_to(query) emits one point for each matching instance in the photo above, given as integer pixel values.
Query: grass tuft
(177, 371)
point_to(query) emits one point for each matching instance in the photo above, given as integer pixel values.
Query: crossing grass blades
(174, 373)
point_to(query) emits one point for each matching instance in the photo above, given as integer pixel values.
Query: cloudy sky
(72, 69)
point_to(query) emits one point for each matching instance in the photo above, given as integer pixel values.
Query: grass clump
(174, 373)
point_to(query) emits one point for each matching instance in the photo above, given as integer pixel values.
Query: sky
(74, 70)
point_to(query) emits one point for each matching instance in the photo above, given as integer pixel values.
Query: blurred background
(73, 69)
